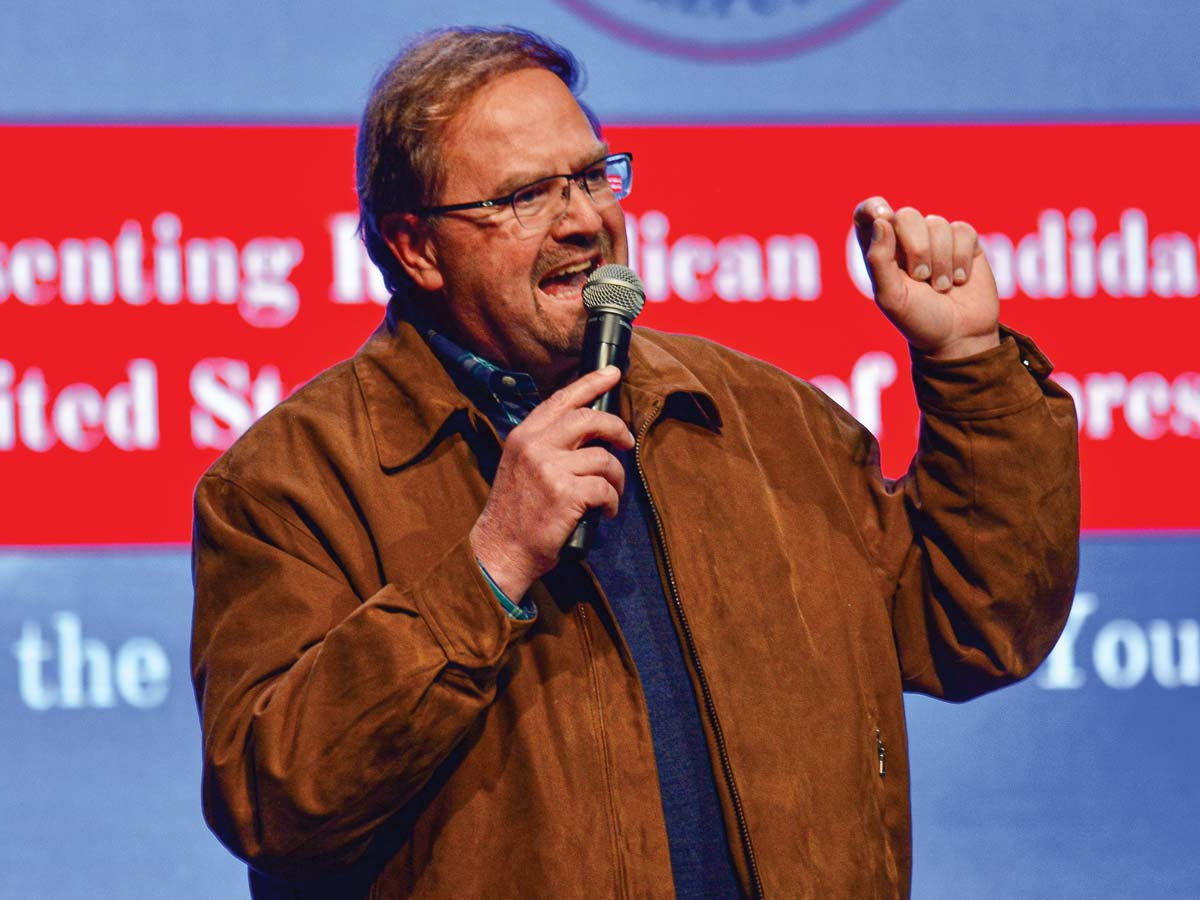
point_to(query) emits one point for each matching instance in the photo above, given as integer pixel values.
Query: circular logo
(729, 30)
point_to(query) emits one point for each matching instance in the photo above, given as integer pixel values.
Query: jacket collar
(658, 378)
(410, 399)
(408, 394)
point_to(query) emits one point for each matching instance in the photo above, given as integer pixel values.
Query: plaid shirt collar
(505, 397)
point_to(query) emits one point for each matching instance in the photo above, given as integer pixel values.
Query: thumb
(880, 257)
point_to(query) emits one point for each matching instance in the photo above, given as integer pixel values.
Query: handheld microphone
(613, 296)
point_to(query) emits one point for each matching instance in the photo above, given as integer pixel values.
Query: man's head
(469, 115)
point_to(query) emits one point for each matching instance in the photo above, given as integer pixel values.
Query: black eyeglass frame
(507, 200)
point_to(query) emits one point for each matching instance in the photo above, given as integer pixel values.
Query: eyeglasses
(544, 202)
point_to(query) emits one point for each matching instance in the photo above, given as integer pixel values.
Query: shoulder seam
(242, 489)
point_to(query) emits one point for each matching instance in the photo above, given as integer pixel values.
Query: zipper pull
(881, 752)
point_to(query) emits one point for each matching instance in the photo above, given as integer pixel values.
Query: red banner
(161, 287)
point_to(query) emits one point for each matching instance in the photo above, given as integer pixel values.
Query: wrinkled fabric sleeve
(978, 545)
(323, 713)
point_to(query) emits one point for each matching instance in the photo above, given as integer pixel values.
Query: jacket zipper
(690, 643)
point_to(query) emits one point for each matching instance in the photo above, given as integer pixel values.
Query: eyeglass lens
(544, 201)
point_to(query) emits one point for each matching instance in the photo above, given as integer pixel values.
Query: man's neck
(550, 377)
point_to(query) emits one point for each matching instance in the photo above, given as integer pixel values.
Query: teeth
(571, 270)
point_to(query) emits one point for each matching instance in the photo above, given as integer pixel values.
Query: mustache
(568, 250)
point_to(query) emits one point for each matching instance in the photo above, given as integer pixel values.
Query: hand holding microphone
(556, 472)
(613, 296)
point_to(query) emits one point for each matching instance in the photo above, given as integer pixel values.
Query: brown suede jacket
(375, 725)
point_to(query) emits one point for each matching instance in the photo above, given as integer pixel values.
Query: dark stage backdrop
(177, 253)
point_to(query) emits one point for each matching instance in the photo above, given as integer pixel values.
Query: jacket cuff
(458, 605)
(993, 383)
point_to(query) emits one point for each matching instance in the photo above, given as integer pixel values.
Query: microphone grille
(614, 288)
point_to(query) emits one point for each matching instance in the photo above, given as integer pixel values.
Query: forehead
(518, 127)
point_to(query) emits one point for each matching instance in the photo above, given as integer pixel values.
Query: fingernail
(960, 274)
(877, 231)
(942, 283)
(883, 210)
(921, 272)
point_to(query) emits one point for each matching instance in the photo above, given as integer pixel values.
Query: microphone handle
(605, 343)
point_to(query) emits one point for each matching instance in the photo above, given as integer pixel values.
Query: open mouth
(569, 280)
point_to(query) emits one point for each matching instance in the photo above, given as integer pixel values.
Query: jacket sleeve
(323, 713)
(978, 545)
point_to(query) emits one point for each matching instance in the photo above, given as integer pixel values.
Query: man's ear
(411, 241)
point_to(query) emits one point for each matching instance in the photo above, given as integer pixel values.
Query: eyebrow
(515, 182)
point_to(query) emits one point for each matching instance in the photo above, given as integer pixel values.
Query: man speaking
(408, 690)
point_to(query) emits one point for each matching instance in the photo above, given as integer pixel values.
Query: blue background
(1034, 792)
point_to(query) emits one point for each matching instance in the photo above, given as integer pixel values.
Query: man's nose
(580, 214)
